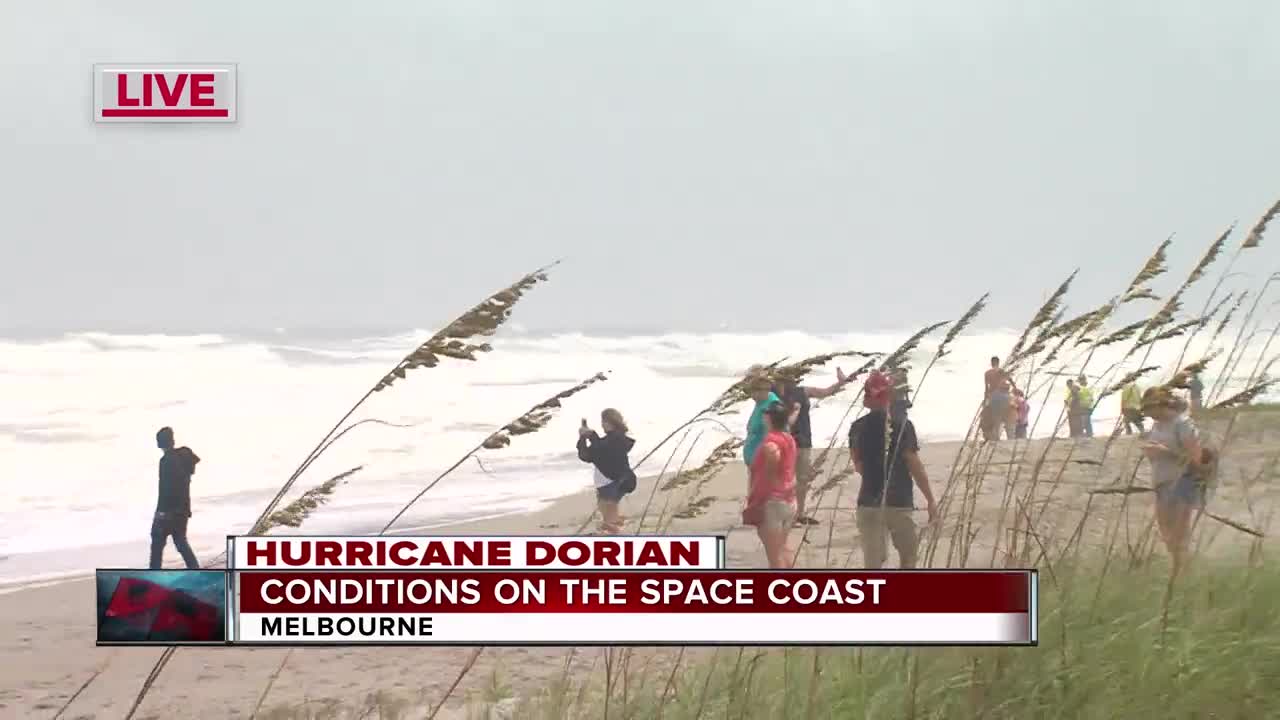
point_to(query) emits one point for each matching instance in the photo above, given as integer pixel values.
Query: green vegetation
(1213, 653)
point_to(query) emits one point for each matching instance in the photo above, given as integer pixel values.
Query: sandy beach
(47, 651)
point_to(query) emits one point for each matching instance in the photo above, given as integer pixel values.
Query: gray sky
(826, 165)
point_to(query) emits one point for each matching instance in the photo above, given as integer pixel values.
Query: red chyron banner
(637, 607)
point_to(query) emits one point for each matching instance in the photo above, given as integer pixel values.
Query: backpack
(628, 483)
(1204, 472)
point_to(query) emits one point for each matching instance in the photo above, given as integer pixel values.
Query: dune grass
(1217, 656)
(1213, 652)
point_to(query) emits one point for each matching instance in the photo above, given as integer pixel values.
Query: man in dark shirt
(173, 501)
(796, 399)
(901, 402)
(887, 512)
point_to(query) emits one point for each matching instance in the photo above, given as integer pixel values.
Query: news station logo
(164, 93)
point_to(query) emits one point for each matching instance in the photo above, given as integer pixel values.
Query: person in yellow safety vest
(1086, 405)
(1131, 408)
(1072, 401)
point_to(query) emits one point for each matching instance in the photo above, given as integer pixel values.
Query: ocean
(80, 412)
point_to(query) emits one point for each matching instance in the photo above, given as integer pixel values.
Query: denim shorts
(1186, 490)
(611, 493)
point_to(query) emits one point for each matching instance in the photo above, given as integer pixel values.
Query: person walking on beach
(1086, 405)
(1178, 473)
(614, 478)
(1196, 389)
(996, 384)
(760, 388)
(771, 502)
(1131, 408)
(173, 501)
(1072, 401)
(795, 398)
(885, 497)
(1022, 413)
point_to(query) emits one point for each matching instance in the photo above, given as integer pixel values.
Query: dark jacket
(609, 455)
(176, 468)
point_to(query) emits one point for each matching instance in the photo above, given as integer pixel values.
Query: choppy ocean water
(79, 413)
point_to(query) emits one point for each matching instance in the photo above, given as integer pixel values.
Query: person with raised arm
(795, 398)
(996, 400)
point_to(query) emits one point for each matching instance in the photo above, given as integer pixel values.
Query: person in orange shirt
(771, 503)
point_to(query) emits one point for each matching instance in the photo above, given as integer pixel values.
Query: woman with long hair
(614, 478)
(771, 503)
(1179, 469)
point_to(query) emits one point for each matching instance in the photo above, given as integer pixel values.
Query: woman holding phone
(614, 478)
(1180, 467)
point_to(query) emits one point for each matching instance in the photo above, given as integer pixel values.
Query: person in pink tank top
(771, 504)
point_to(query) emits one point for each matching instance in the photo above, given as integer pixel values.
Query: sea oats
(1226, 319)
(1172, 332)
(965, 320)
(1254, 238)
(1182, 379)
(1140, 294)
(1215, 249)
(1159, 319)
(1122, 334)
(296, 512)
(1155, 266)
(483, 320)
(1246, 396)
(721, 454)
(1047, 313)
(1216, 309)
(795, 373)
(1129, 378)
(531, 421)
(898, 358)
(537, 417)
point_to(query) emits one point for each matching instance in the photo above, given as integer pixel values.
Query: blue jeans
(1086, 424)
(164, 526)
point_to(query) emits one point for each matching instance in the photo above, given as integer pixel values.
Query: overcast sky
(745, 165)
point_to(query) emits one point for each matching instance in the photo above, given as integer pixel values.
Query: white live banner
(730, 628)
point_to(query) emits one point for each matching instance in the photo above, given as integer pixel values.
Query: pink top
(1024, 409)
(779, 482)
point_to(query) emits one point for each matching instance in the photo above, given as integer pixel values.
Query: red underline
(165, 112)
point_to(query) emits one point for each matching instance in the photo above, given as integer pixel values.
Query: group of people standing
(1004, 405)
(779, 468)
(1006, 410)
(1079, 404)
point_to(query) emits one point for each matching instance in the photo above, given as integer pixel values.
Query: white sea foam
(80, 412)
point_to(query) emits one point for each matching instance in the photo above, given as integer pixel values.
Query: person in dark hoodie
(173, 501)
(614, 477)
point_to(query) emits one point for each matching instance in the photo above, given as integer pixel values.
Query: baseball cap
(876, 390)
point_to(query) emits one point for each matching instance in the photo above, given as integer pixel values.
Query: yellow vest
(1086, 398)
(1130, 398)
